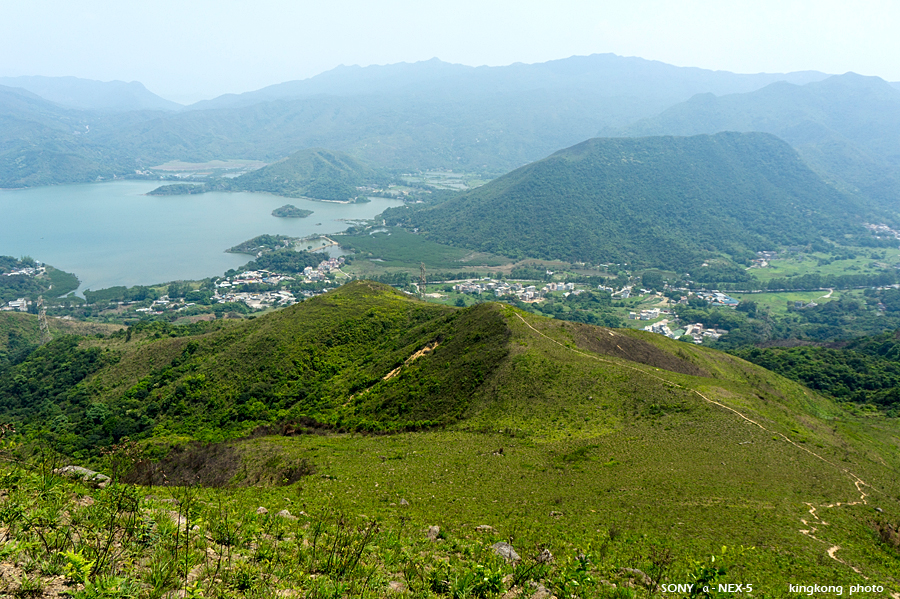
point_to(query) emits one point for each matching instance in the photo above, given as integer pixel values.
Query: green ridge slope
(662, 201)
(610, 430)
(313, 173)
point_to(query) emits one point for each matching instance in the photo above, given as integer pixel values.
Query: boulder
(506, 551)
(433, 532)
(637, 575)
(541, 593)
(262, 511)
(484, 528)
(95, 479)
(286, 514)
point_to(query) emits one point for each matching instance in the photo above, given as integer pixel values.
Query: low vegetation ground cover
(616, 451)
(396, 247)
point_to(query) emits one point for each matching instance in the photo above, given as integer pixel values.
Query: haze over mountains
(87, 94)
(846, 127)
(661, 201)
(406, 116)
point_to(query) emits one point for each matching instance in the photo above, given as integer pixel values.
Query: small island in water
(291, 211)
(177, 189)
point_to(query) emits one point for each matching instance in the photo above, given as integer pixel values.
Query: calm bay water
(112, 234)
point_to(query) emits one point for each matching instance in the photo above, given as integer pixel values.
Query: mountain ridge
(89, 94)
(832, 124)
(658, 201)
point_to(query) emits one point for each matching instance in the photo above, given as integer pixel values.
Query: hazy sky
(187, 50)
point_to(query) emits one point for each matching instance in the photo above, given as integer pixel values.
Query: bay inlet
(112, 234)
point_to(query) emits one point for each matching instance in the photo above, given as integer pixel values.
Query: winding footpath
(809, 532)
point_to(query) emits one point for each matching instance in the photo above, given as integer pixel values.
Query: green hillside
(616, 445)
(662, 201)
(313, 173)
(611, 449)
(845, 127)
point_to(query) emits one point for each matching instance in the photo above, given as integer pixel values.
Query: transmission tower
(422, 280)
(42, 320)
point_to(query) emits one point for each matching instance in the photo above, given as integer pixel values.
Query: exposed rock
(433, 532)
(484, 528)
(555, 514)
(95, 479)
(541, 593)
(396, 586)
(286, 514)
(513, 593)
(262, 511)
(879, 510)
(637, 575)
(86, 501)
(506, 551)
(404, 502)
(544, 557)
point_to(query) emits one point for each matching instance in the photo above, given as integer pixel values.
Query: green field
(840, 262)
(395, 247)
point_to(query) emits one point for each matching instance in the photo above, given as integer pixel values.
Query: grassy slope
(648, 454)
(24, 328)
(613, 429)
(314, 173)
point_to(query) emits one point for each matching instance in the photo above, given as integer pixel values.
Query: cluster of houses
(27, 271)
(697, 331)
(881, 230)
(20, 305)
(650, 314)
(252, 277)
(320, 272)
(257, 277)
(717, 298)
(258, 301)
(762, 259)
(521, 292)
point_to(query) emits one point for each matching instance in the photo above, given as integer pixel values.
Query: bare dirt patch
(611, 343)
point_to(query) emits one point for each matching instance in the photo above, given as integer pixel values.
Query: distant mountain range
(87, 94)
(406, 116)
(648, 82)
(846, 127)
(654, 201)
(432, 114)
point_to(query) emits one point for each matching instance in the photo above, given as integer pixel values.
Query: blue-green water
(112, 234)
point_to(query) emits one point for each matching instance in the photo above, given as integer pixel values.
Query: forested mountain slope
(314, 173)
(846, 127)
(658, 201)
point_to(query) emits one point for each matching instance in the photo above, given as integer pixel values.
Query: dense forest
(865, 370)
(665, 202)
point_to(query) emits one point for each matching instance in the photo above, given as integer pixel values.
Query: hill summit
(576, 428)
(314, 173)
(660, 201)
